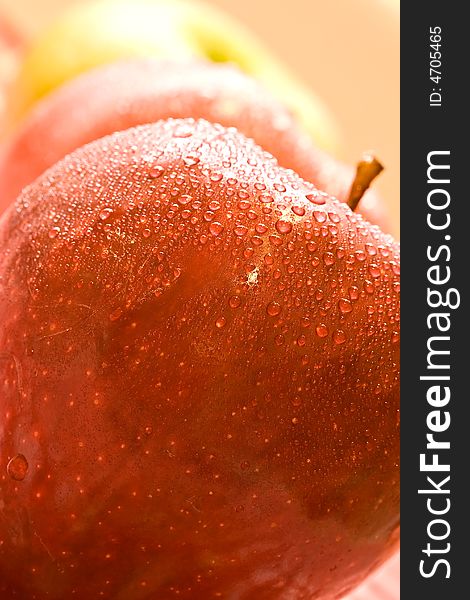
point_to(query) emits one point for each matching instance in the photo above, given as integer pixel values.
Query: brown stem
(366, 171)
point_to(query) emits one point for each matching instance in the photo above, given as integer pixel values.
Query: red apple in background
(139, 91)
(200, 377)
(99, 32)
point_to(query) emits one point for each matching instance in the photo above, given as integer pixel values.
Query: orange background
(345, 50)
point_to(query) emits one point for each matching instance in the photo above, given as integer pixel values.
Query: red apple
(200, 377)
(140, 91)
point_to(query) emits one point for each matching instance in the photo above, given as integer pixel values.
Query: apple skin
(203, 380)
(96, 33)
(97, 103)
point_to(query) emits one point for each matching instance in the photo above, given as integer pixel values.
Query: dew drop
(339, 337)
(283, 226)
(334, 217)
(345, 305)
(275, 240)
(190, 160)
(328, 258)
(279, 340)
(353, 292)
(18, 467)
(240, 230)
(185, 199)
(315, 198)
(54, 232)
(183, 131)
(216, 228)
(360, 255)
(298, 210)
(311, 246)
(234, 301)
(301, 340)
(214, 205)
(266, 198)
(320, 217)
(105, 213)
(273, 309)
(221, 321)
(322, 330)
(374, 270)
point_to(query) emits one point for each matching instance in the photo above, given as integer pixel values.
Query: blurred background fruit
(347, 52)
(135, 91)
(100, 32)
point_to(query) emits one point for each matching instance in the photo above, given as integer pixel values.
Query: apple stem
(366, 171)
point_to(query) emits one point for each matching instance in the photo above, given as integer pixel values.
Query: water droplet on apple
(221, 321)
(240, 230)
(315, 198)
(216, 228)
(156, 171)
(353, 292)
(322, 330)
(273, 309)
(339, 337)
(345, 305)
(298, 210)
(266, 198)
(105, 213)
(283, 226)
(17, 467)
(182, 131)
(54, 232)
(234, 301)
(190, 160)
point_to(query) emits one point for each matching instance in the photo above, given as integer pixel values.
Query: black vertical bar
(426, 127)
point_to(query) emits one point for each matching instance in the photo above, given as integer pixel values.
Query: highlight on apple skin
(200, 372)
(98, 103)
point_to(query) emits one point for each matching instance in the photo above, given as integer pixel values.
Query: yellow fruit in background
(96, 33)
